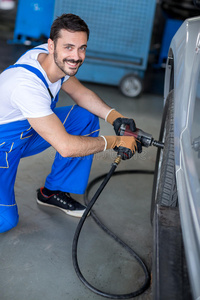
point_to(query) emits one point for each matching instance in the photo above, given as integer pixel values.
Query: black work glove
(139, 146)
(125, 153)
(117, 124)
(119, 121)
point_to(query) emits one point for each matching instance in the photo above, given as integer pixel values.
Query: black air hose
(106, 178)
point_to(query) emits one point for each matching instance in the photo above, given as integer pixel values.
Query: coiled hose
(106, 178)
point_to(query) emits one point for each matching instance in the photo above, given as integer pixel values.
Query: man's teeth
(72, 64)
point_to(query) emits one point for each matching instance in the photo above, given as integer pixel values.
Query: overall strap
(36, 72)
(62, 79)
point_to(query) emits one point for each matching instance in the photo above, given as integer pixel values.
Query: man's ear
(50, 46)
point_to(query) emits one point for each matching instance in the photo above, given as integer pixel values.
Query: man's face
(69, 51)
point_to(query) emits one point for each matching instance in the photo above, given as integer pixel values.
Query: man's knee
(8, 218)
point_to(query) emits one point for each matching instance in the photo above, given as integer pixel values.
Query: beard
(70, 71)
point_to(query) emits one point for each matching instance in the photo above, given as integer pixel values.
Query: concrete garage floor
(36, 260)
(35, 257)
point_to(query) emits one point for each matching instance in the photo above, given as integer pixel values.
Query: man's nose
(76, 55)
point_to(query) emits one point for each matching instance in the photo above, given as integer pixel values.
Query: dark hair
(69, 22)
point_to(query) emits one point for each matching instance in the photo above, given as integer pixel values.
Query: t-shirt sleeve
(31, 100)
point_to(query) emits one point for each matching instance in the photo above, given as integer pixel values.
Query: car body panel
(185, 53)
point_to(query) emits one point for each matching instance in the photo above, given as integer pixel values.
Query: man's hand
(119, 121)
(125, 153)
(123, 145)
(116, 119)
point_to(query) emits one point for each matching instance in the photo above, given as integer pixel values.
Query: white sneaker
(7, 4)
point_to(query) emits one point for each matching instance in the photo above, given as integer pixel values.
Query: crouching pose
(30, 121)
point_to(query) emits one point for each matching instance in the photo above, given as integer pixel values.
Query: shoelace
(66, 197)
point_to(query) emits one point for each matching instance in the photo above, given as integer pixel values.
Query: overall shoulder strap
(35, 71)
(62, 79)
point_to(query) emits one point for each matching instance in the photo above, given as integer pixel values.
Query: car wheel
(131, 85)
(164, 186)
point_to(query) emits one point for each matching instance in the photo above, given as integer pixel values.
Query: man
(30, 123)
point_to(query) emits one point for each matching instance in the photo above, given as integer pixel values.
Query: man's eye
(83, 48)
(69, 48)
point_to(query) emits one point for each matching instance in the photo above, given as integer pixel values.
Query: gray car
(175, 212)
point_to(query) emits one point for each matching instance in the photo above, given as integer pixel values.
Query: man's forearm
(86, 98)
(53, 131)
(78, 146)
(93, 103)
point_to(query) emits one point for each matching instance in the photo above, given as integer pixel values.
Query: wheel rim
(131, 86)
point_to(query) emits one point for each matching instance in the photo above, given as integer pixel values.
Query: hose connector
(117, 160)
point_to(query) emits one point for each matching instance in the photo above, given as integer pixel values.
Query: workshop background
(125, 66)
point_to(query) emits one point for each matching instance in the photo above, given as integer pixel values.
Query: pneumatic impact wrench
(145, 138)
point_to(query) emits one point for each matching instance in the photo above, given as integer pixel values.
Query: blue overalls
(18, 139)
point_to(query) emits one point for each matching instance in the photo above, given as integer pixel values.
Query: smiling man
(30, 121)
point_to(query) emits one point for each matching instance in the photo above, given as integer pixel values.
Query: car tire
(164, 190)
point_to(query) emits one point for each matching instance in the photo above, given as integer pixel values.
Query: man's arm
(86, 98)
(53, 131)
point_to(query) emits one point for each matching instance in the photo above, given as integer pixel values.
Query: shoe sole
(77, 214)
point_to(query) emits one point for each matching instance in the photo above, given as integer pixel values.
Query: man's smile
(73, 63)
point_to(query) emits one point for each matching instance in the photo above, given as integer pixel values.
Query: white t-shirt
(22, 94)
